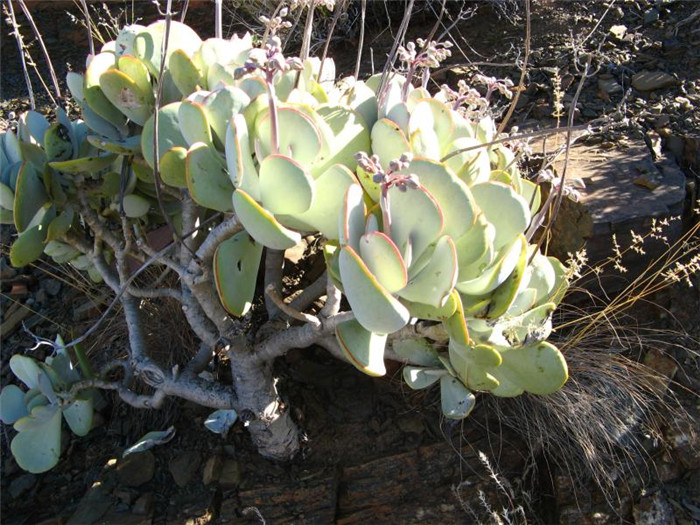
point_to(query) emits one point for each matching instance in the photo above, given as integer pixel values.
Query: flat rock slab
(625, 192)
(429, 484)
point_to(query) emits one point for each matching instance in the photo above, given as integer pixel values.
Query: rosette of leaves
(36, 413)
(442, 238)
(38, 161)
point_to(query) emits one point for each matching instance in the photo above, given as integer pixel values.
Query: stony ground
(374, 451)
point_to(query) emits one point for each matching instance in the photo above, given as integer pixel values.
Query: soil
(374, 450)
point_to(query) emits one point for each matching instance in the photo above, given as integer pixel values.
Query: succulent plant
(36, 413)
(424, 221)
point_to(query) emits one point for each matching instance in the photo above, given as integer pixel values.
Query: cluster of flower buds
(503, 86)
(328, 4)
(270, 60)
(467, 99)
(428, 55)
(275, 24)
(389, 178)
(572, 187)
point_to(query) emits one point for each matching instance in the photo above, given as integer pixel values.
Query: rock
(651, 16)
(52, 286)
(652, 80)
(684, 439)
(212, 470)
(665, 369)
(612, 204)
(93, 505)
(6, 271)
(183, 467)
(21, 485)
(618, 31)
(608, 85)
(230, 476)
(136, 469)
(411, 424)
(144, 505)
(654, 510)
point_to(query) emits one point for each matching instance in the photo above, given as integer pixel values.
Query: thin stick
(392, 54)
(523, 72)
(218, 30)
(45, 51)
(362, 38)
(20, 44)
(156, 134)
(184, 11)
(88, 24)
(338, 10)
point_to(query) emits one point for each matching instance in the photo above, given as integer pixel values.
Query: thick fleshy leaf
(364, 349)
(504, 295)
(475, 247)
(148, 43)
(186, 73)
(12, 406)
(456, 201)
(239, 158)
(124, 43)
(76, 84)
(435, 282)
(236, 265)
(36, 124)
(127, 96)
(456, 324)
(472, 166)
(221, 421)
(207, 179)
(417, 350)
(57, 142)
(538, 369)
(348, 135)
(30, 196)
(285, 186)
(94, 96)
(416, 221)
(150, 440)
(504, 208)
(7, 197)
(432, 313)
(38, 447)
(299, 137)
(542, 277)
(169, 134)
(383, 260)
(221, 106)
(491, 277)
(388, 142)
(457, 402)
(374, 307)
(430, 127)
(352, 217)
(194, 123)
(261, 224)
(363, 100)
(135, 206)
(331, 188)
(473, 363)
(129, 146)
(173, 167)
(418, 378)
(84, 164)
(138, 73)
(28, 247)
(79, 415)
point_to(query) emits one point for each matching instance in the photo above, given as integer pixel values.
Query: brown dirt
(374, 451)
